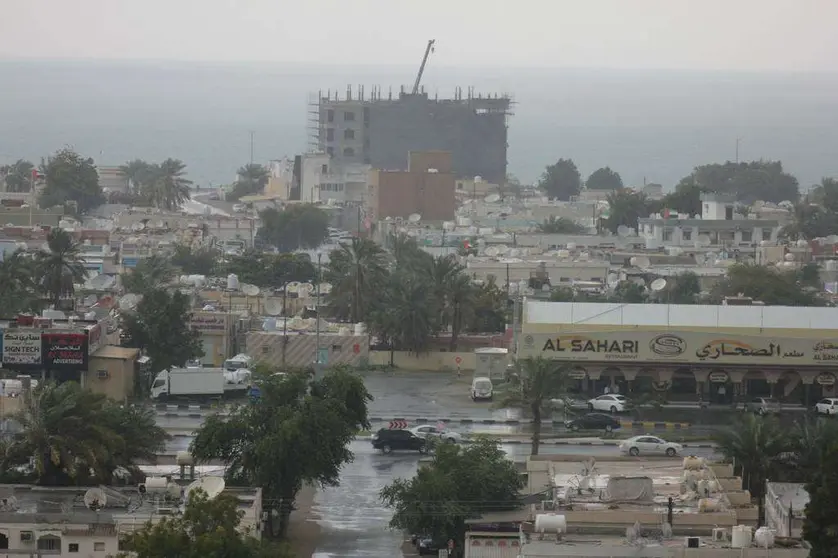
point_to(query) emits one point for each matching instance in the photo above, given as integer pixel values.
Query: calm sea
(647, 125)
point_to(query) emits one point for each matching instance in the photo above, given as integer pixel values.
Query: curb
(624, 424)
(516, 441)
(183, 407)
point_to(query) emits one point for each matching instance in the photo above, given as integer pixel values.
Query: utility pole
(737, 150)
(317, 317)
(251, 147)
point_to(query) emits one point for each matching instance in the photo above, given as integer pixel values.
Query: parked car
(594, 421)
(427, 545)
(613, 403)
(427, 431)
(763, 406)
(239, 208)
(828, 406)
(481, 388)
(388, 440)
(650, 445)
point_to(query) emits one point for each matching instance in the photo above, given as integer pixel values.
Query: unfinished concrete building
(379, 130)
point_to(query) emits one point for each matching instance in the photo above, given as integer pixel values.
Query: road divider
(512, 422)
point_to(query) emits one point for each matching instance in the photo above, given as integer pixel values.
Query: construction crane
(428, 50)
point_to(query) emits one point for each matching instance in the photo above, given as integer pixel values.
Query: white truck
(194, 382)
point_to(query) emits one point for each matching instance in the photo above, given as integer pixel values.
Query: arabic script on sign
(730, 348)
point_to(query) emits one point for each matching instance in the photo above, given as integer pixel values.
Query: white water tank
(740, 536)
(156, 484)
(693, 463)
(360, 328)
(550, 523)
(764, 537)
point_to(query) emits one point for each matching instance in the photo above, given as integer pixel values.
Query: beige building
(217, 331)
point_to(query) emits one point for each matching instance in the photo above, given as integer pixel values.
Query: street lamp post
(317, 318)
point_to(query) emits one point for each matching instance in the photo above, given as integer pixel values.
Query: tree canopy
(561, 180)
(626, 207)
(17, 176)
(461, 483)
(298, 431)
(160, 327)
(560, 225)
(296, 227)
(59, 267)
(604, 179)
(195, 260)
(153, 272)
(357, 271)
(270, 270)
(767, 284)
(71, 178)
(207, 529)
(74, 436)
(251, 179)
(748, 181)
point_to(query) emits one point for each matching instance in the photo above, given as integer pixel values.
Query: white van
(481, 389)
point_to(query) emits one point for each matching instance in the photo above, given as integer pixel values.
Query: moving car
(763, 406)
(427, 545)
(650, 445)
(594, 421)
(828, 406)
(613, 403)
(239, 208)
(481, 388)
(429, 431)
(388, 440)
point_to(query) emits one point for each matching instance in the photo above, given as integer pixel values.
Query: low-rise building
(785, 506)
(426, 188)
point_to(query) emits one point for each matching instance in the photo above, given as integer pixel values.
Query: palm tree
(169, 189)
(17, 176)
(754, 445)
(138, 173)
(535, 383)
(560, 225)
(407, 253)
(356, 270)
(61, 267)
(18, 290)
(406, 314)
(153, 272)
(72, 434)
(252, 179)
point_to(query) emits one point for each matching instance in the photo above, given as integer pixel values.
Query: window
(330, 151)
(49, 542)
(330, 115)
(667, 235)
(747, 236)
(349, 116)
(726, 236)
(324, 169)
(158, 383)
(98, 547)
(330, 134)
(728, 212)
(348, 152)
(73, 547)
(687, 234)
(349, 133)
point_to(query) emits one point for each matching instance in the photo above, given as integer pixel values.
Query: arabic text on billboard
(65, 349)
(21, 347)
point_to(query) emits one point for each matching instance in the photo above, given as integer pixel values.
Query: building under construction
(380, 130)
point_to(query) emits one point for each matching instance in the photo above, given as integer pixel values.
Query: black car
(594, 421)
(388, 440)
(427, 545)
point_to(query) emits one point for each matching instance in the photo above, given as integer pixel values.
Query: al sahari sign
(688, 348)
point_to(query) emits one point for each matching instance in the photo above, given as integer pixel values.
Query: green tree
(561, 180)
(18, 286)
(407, 314)
(820, 526)
(74, 436)
(160, 327)
(629, 292)
(683, 289)
(748, 181)
(754, 445)
(197, 261)
(208, 528)
(60, 267)
(604, 179)
(154, 272)
(766, 284)
(488, 314)
(17, 176)
(461, 483)
(560, 225)
(167, 187)
(269, 271)
(686, 198)
(297, 432)
(252, 179)
(626, 207)
(71, 178)
(535, 382)
(296, 226)
(356, 271)
(408, 254)
(139, 174)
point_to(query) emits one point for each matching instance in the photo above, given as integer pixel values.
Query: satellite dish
(414, 218)
(213, 486)
(658, 284)
(129, 301)
(612, 280)
(232, 282)
(273, 307)
(623, 231)
(492, 251)
(138, 226)
(250, 290)
(642, 261)
(95, 499)
(703, 240)
(789, 257)
(492, 198)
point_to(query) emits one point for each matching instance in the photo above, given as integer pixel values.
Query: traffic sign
(458, 360)
(398, 424)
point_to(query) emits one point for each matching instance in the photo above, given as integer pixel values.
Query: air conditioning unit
(26, 536)
(102, 374)
(692, 542)
(719, 534)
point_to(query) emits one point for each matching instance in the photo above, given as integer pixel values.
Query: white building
(319, 179)
(785, 505)
(719, 225)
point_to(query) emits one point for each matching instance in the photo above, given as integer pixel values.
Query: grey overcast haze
(760, 35)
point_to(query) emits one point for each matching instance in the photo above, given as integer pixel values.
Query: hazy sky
(796, 35)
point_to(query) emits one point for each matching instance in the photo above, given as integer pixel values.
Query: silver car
(763, 406)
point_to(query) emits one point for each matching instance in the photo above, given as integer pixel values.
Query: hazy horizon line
(401, 67)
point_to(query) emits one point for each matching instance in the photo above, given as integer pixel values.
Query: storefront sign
(65, 350)
(718, 377)
(577, 374)
(683, 347)
(826, 379)
(209, 322)
(21, 347)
